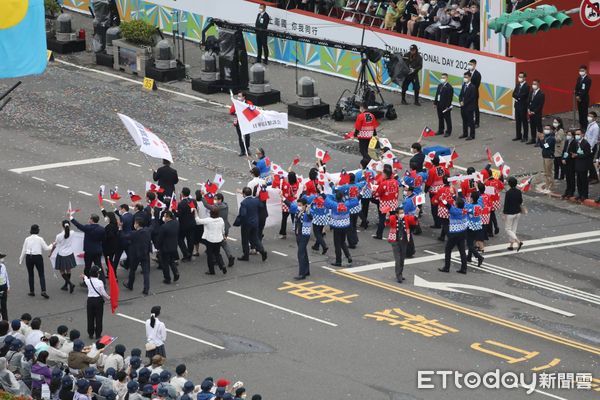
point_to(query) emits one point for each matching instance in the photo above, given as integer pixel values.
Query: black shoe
(127, 286)
(349, 261)
(71, 288)
(64, 287)
(364, 225)
(196, 254)
(469, 259)
(516, 139)
(231, 261)
(186, 259)
(441, 239)
(403, 102)
(462, 136)
(315, 247)
(470, 138)
(480, 261)
(524, 140)
(91, 337)
(417, 104)
(325, 250)
(44, 295)
(145, 292)
(496, 231)
(242, 154)
(447, 135)
(462, 271)
(376, 237)
(334, 264)
(439, 133)
(263, 255)
(399, 280)
(175, 277)
(209, 273)
(300, 277)
(224, 270)
(352, 246)
(531, 142)
(245, 258)
(443, 270)
(31, 294)
(518, 248)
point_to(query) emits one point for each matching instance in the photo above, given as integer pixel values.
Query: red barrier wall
(557, 86)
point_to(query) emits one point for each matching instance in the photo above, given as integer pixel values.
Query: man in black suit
(187, 224)
(468, 103)
(140, 247)
(475, 81)
(569, 166)
(582, 95)
(247, 220)
(442, 102)
(262, 41)
(535, 109)
(418, 157)
(126, 219)
(167, 241)
(471, 35)
(92, 243)
(166, 177)
(521, 96)
(581, 151)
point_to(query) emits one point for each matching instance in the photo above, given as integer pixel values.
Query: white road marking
(62, 186)
(134, 164)
(38, 179)
(328, 268)
(281, 308)
(63, 164)
(84, 193)
(228, 192)
(183, 179)
(533, 280)
(203, 100)
(277, 252)
(456, 287)
(176, 333)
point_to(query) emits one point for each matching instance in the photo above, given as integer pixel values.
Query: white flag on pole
(252, 119)
(149, 143)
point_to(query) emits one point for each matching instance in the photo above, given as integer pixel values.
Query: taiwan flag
(427, 132)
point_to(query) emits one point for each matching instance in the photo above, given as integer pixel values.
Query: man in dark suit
(126, 219)
(569, 166)
(92, 243)
(535, 109)
(140, 247)
(167, 241)
(418, 157)
(247, 220)
(262, 40)
(582, 95)
(187, 224)
(475, 81)
(442, 102)
(581, 151)
(468, 103)
(471, 34)
(166, 177)
(521, 96)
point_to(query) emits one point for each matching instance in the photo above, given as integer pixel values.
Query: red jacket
(387, 190)
(498, 187)
(365, 126)
(467, 187)
(392, 223)
(445, 193)
(435, 176)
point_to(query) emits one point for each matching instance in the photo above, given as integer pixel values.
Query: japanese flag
(387, 157)
(218, 179)
(384, 142)
(420, 199)
(498, 160)
(505, 170)
(322, 155)
(276, 169)
(153, 187)
(374, 165)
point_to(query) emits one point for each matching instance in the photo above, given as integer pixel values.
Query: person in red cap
(365, 128)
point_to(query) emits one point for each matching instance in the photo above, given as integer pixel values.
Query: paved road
(350, 333)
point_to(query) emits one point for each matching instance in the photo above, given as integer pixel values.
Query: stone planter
(131, 58)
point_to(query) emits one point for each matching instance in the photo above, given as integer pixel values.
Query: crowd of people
(60, 366)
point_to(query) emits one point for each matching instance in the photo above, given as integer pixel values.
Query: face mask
(590, 119)
(578, 137)
(471, 67)
(582, 73)
(569, 137)
(240, 99)
(521, 79)
(534, 87)
(261, 10)
(466, 80)
(443, 80)
(547, 131)
(433, 3)
(555, 124)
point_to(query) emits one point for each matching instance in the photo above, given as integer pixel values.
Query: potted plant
(135, 49)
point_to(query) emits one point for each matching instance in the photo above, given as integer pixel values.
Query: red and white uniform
(498, 187)
(443, 199)
(394, 224)
(312, 187)
(487, 206)
(365, 125)
(232, 111)
(387, 193)
(435, 178)
(289, 192)
(467, 187)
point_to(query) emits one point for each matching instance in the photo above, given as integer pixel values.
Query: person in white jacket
(33, 249)
(214, 234)
(156, 334)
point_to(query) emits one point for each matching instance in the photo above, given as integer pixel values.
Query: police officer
(582, 95)
(521, 96)
(365, 128)
(302, 228)
(414, 61)
(443, 103)
(262, 41)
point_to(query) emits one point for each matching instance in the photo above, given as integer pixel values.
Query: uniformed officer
(262, 41)
(365, 128)
(302, 228)
(582, 95)
(443, 105)
(414, 61)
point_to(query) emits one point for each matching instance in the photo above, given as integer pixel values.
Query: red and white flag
(218, 180)
(277, 170)
(525, 184)
(446, 160)
(384, 142)
(70, 209)
(388, 157)
(396, 164)
(173, 205)
(505, 170)
(153, 187)
(134, 197)
(252, 119)
(428, 163)
(454, 155)
(114, 193)
(322, 155)
(375, 165)
(498, 160)
(156, 203)
(296, 160)
(427, 132)
(420, 199)
(101, 194)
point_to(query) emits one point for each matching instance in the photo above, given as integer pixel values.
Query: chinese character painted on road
(414, 323)
(326, 294)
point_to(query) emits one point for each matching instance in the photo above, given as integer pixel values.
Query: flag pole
(246, 150)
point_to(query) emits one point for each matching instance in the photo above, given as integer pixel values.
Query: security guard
(414, 61)
(262, 41)
(443, 103)
(582, 95)
(365, 128)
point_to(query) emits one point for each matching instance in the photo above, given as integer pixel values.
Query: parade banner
(149, 143)
(498, 73)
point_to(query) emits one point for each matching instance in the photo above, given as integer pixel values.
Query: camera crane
(363, 93)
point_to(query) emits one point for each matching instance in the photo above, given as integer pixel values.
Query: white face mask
(547, 131)
(577, 137)
(405, 193)
(569, 137)
(466, 80)
(261, 10)
(471, 67)
(534, 87)
(521, 79)
(590, 119)
(555, 124)
(240, 98)
(443, 80)
(582, 73)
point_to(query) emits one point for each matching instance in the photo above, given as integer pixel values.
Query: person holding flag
(166, 177)
(387, 192)
(435, 180)
(456, 236)
(475, 235)
(400, 238)
(365, 128)
(92, 243)
(243, 140)
(167, 239)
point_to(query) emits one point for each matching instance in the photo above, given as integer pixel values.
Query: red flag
(296, 160)
(454, 155)
(525, 184)
(114, 194)
(101, 195)
(344, 178)
(134, 197)
(113, 287)
(489, 155)
(173, 205)
(427, 132)
(349, 135)
(322, 155)
(326, 158)
(396, 164)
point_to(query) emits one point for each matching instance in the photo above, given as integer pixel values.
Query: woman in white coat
(214, 234)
